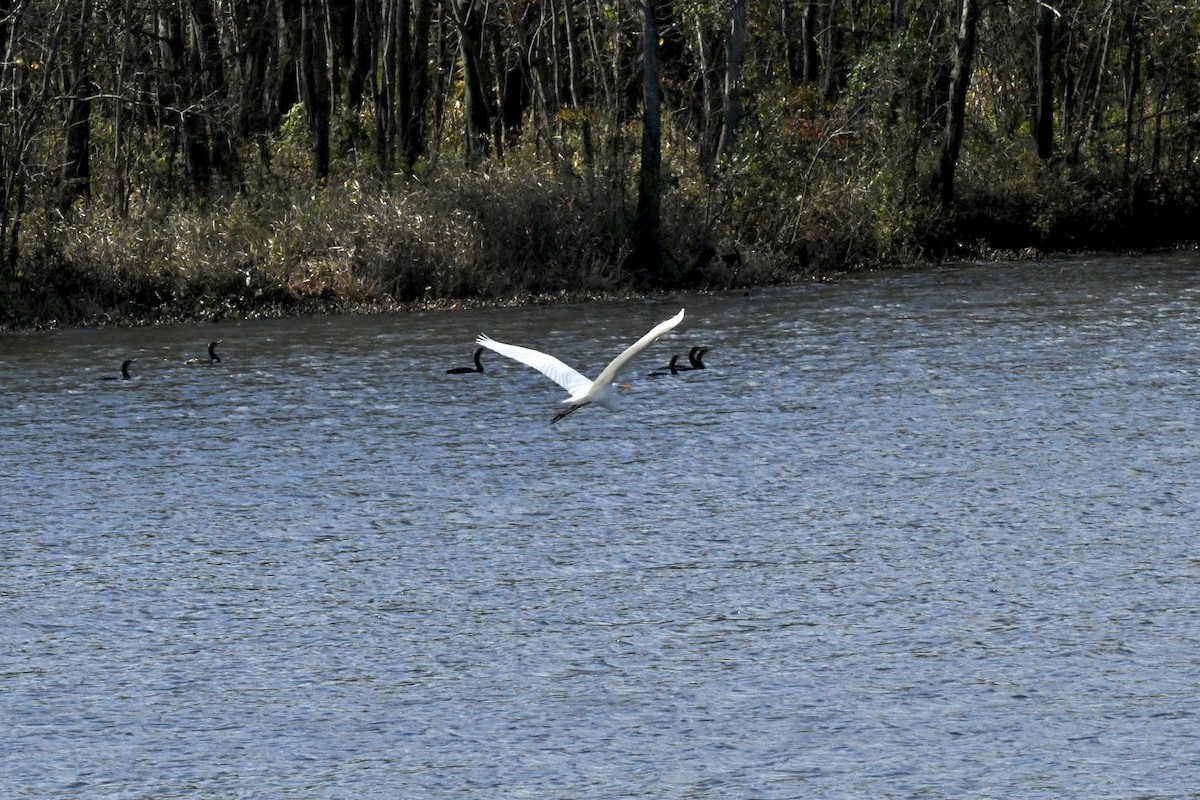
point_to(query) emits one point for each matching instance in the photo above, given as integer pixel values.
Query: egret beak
(625, 386)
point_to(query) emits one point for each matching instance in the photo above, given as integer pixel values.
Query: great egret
(213, 358)
(583, 391)
(124, 371)
(673, 369)
(695, 358)
(465, 370)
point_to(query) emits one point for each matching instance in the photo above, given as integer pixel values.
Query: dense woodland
(199, 158)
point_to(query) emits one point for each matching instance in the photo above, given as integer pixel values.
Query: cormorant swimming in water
(674, 370)
(124, 371)
(467, 370)
(695, 358)
(213, 358)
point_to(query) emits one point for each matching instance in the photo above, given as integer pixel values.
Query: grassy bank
(509, 236)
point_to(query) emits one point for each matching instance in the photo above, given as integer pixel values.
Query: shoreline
(330, 304)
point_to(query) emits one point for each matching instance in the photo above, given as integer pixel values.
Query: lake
(909, 535)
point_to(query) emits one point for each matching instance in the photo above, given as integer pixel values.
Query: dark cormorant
(672, 367)
(695, 358)
(467, 370)
(213, 358)
(124, 371)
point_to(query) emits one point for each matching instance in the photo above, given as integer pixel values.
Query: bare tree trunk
(574, 73)
(444, 68)
(1043, 124)
(1133, 74)
(314, 82)
(121, 124)
(831, 82)
(413, 119)
(210, 76)
(811, 63)
(733, 86)
(26, 101)
(173, 99)
(470, 42)
(513, 70)
(257, 102)
(721, 103)
(960, 80)
(75, 178)
(388, 92)
(402, 84)
(896, 9)
(707, 46)
(1089, 114)
(647, 255)
(192, 89)
(360, 34)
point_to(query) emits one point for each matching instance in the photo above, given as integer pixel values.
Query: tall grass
(493, 236)
(805, 202)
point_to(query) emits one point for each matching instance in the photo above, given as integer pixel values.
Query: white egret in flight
(583, 391)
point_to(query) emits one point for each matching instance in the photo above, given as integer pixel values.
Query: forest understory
(508, 241)
(196, 160)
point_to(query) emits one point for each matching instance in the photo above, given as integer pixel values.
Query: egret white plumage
(601, 391)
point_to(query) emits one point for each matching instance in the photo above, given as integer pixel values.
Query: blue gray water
(910, 535)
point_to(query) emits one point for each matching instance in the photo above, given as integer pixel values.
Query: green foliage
(291, 145)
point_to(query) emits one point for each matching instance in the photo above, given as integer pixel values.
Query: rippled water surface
(909, 535)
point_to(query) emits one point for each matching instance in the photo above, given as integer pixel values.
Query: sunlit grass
(804, 195)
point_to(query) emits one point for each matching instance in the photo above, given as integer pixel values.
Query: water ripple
(910, 535)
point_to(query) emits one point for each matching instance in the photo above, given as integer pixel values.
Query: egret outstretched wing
(583, 392)
(548, 365)
(617, 364)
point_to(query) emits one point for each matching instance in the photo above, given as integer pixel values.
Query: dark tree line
(130, 105)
